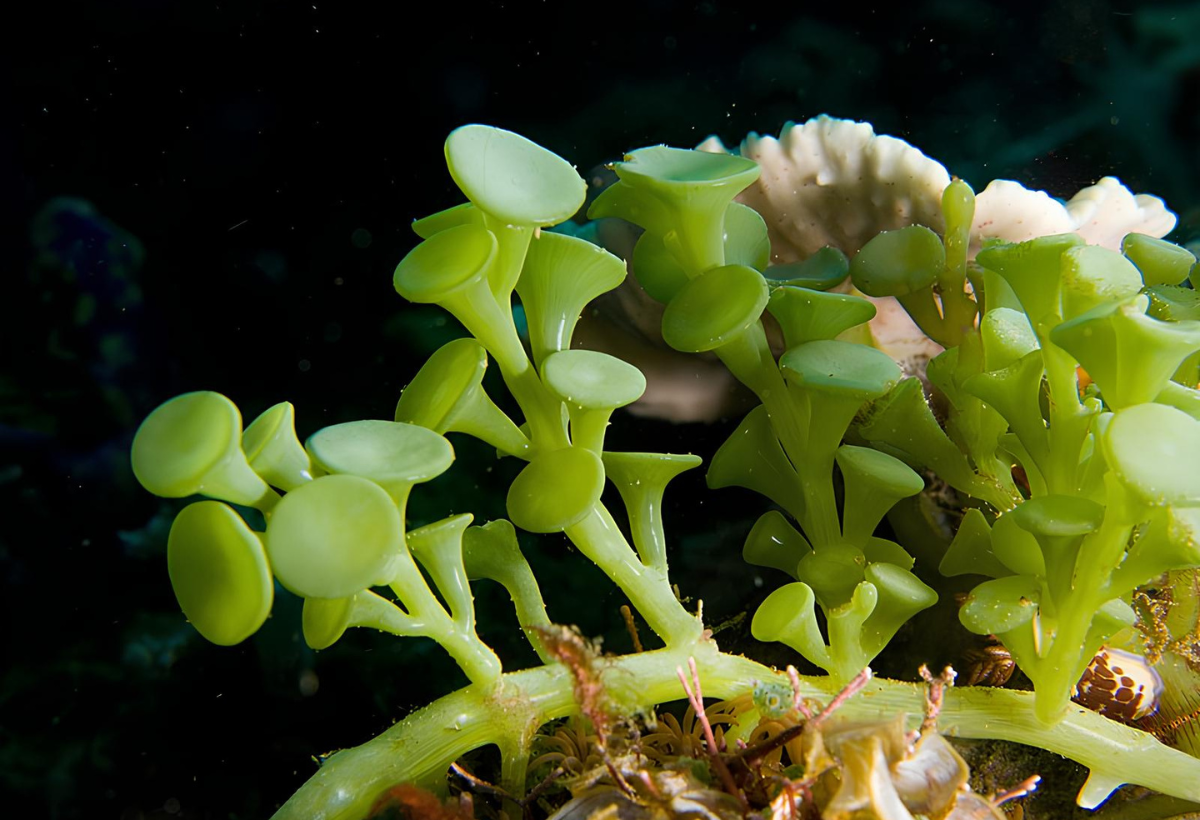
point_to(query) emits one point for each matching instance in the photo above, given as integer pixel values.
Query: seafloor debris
(798, 762)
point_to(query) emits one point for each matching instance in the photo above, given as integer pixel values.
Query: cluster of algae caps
(335, 505)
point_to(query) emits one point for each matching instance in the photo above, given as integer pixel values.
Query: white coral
(836, 182)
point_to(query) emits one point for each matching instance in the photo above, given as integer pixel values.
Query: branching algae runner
(1067, 423)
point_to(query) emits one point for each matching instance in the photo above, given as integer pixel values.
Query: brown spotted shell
(1119, 685)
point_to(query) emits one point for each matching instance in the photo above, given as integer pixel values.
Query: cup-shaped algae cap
(656, 270)
(642, 478)
(746, 239)
(443, 385)
(324, 620)
(788, 615)
(192, 444)
(806, 315)
(752, 457)
(1092, 275)
(680, 195)
(592, 380)
(447, 396)
(1017, 548)
(844, 369)
(1159, 261)
(1000, 605)
(901, 595)
(219, 572)
(679, 173)
(970, 553)
(512, 178)
(661, 275)
(445, 263)
(1173, 303)
(334, 536)
(647, 473)
(561, 275)
(556, 489)
(273, 450)
(1058, 516)
(821, 271)
(714, 308)
(833, 573)
(899, 262)
(1033, 270)
(882, 550)
(1130, 355)
(1007, 337)
(874, 482)
(462, 214)
(774, 542)
(392, 454)
(438, 546)
(1154, 450)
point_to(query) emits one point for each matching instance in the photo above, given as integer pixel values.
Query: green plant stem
(748, 357)
(490, 321)
(512, 243)
(699, 242)
(599, 538)
(1069, 420)
(523, 589)
(427, 617)
(543, 412)
(959, 311)
(588, 428)
(1054, 676)
(421, 747)
(922, 308)
(514, 765)
(846, 652)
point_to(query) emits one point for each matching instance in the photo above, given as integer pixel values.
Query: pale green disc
(821, 271)
(183, 440)
(455, 369)
(880, 470)
(219, 572)
(445, 262)
(898, 262)
(1159, 261)
(713, 308)
(1000, 605)
(515, 180)
(333, 537)
(462, 214)
(592, 379)
(324, 620)
(673, 172)
(1154, 450)
(388, 452)
(556, 489)
(844, 368)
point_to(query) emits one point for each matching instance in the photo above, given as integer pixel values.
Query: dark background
(212, 195)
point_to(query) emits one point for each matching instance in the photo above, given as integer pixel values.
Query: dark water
(212, 195)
